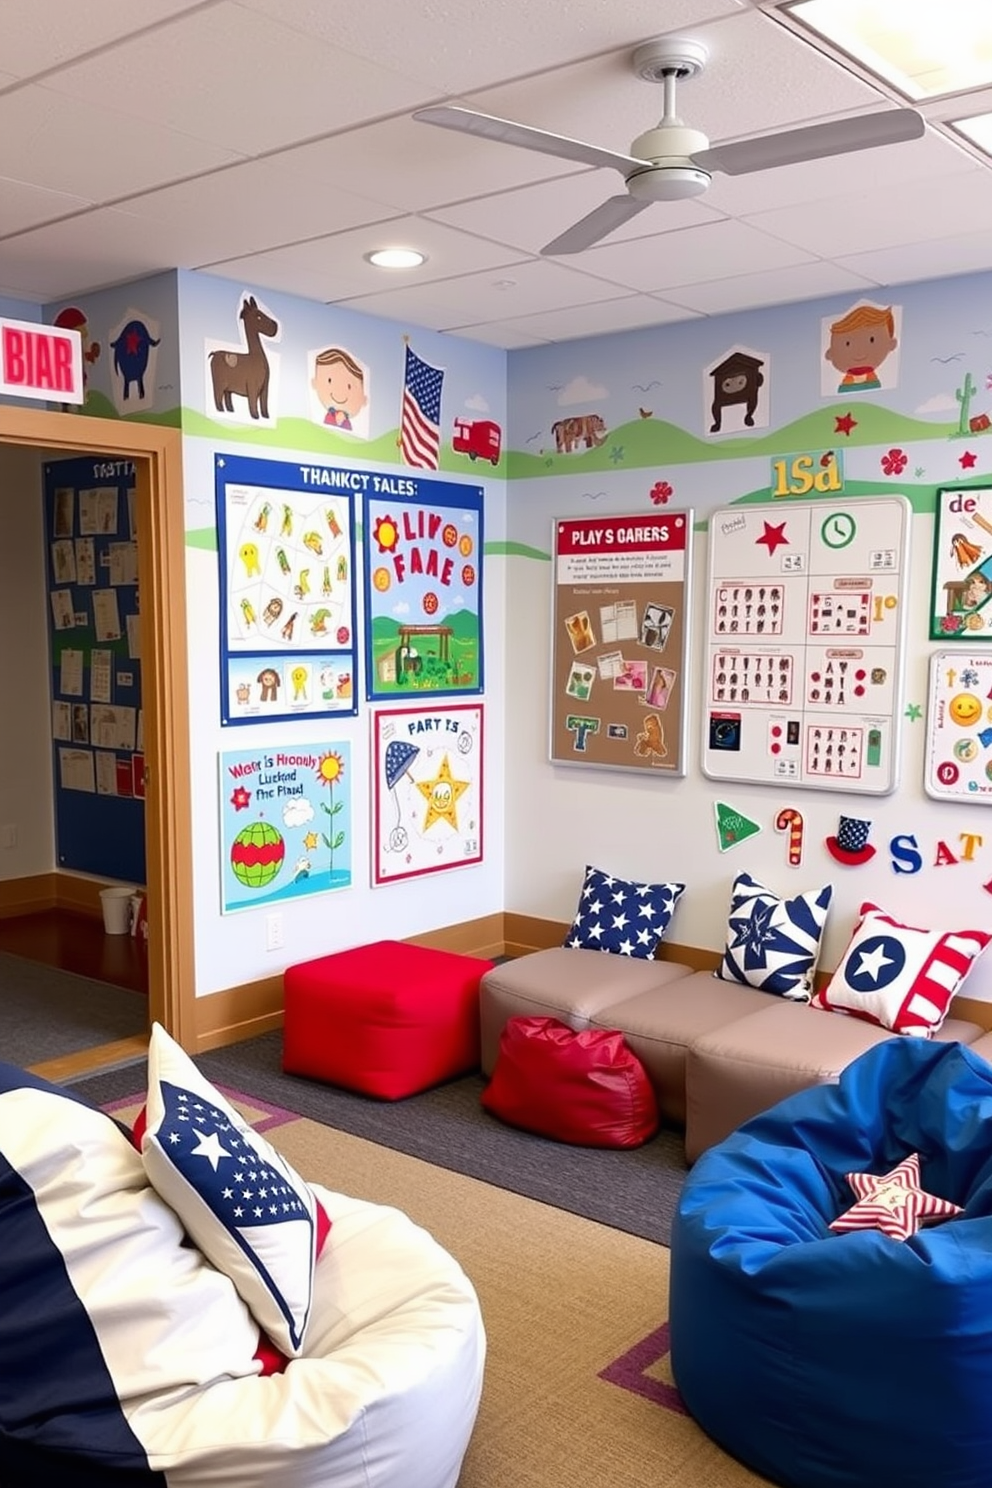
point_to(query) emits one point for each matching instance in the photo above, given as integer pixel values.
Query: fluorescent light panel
(978, 129)
(924, 48)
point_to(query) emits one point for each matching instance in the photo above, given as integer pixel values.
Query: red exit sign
(39, 361)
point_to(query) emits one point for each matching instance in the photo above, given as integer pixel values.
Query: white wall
(26, 795)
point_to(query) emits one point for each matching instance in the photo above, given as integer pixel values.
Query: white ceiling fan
(672, 161)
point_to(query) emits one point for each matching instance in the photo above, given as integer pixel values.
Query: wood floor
(79, 943)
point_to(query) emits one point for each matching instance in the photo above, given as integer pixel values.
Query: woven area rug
(577, 1388)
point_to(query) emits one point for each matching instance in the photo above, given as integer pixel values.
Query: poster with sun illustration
(426, 790)
(423, 587)
(286, 827)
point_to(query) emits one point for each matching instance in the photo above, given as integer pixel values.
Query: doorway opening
(157, 456)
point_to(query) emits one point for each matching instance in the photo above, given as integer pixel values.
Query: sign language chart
(805, 619)
(959, 728)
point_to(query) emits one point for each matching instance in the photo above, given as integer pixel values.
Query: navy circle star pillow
(626, 919)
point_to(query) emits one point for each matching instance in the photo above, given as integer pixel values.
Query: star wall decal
(914, 712)
(968, 460)
(442, 795)
(773, 537)
(844, 423)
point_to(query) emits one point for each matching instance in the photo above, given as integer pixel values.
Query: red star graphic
(241, 798)
(967, 460)
(844, 423)
(772, 537)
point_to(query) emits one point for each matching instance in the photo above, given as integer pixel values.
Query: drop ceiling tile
(338, 265)
(49, 32)
(523, 289)
(498, 333)
(769, 287)
(908, 164)
(216, 216)
(532, 216)
(882, 218)
(100, 248)
(23, 206)
(963, 253)
(91, 151)
(693, 256)
(601, 319)
(212, 76)
(416, 167)
(603, 101)
(460, 44)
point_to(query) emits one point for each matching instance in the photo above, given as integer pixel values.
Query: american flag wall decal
(420, 419)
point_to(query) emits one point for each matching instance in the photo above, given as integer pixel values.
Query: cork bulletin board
(620, 618)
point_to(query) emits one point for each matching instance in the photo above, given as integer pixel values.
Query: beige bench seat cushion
(560, 982)
(742, 1068)
(660, 1024)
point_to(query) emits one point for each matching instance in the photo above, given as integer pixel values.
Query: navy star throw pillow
(773, 943)
(625, 919)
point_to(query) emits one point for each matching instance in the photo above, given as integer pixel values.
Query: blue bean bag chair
(827, 1360)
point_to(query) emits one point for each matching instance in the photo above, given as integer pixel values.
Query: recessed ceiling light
(978, 129)
(396, 258)
(923, 49)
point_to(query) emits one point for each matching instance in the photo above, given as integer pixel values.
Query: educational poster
(286, 539)
(286, 826)
(860, 350)
(422, 541)
(426, 790)
(804, 651)
(620, 616)
(92, 573)
(959, 728)
(961, 589)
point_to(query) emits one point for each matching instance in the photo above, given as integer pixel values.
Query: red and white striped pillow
(898, 976)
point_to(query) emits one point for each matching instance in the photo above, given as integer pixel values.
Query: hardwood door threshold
(65, 1066)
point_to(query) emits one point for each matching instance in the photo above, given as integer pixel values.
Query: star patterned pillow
(894, 1203)
(626, 919)
(773, 943)
(241, 1203)
(900, 977)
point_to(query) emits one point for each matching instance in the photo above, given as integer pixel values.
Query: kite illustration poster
(427, 790)
(286, 540)
(286, 827)
(423, 587)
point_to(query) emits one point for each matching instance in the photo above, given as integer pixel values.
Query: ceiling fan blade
(813, 142)
(504, 132)
(604, 219)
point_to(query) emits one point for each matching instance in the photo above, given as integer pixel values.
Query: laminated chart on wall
(286, 539)
(620, 627)
(959, 728)
(805, 619)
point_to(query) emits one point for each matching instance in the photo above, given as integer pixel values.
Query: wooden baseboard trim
(24, 896)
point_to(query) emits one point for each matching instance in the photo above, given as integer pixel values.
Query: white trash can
(116, 906)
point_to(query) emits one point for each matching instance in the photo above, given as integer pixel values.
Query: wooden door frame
(157, 454)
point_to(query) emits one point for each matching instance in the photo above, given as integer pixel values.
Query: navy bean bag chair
(829, 1360)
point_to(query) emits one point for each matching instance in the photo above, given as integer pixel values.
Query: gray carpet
(45, 1013)
(634, 1190)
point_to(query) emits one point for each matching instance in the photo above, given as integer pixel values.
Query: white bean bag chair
(127, 1360)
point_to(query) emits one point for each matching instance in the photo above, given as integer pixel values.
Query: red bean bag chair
(586, 1088)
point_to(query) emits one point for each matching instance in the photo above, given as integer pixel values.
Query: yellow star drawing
(310, 841)
(441, 795)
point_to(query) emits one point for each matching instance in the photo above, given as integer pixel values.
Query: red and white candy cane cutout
(790, 820)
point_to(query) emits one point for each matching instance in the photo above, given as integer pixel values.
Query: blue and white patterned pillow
(626, 919)
(773, 943)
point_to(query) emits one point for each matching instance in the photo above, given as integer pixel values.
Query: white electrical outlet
(273, 932)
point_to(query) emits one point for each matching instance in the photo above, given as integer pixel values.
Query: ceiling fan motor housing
(669, 173)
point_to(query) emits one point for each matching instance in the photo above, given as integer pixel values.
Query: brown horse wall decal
(245, 374)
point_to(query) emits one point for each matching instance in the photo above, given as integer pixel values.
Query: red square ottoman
(387, 1019)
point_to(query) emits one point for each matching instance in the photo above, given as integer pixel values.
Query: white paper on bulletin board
(959, 727)
(805, 621)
